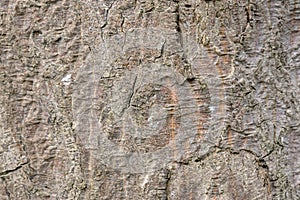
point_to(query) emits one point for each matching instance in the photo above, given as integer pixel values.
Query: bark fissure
(8, 172)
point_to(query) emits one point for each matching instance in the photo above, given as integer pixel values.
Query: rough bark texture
(149, 99)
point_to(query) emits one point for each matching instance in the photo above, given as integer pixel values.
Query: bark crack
(132, 93)
(6, 172)
(168, 178)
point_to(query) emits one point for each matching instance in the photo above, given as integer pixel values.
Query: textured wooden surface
(152, 99)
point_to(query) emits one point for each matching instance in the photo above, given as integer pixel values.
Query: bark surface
(149, 99)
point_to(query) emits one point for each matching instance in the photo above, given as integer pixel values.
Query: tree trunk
(152, 99)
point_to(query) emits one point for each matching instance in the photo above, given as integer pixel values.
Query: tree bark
(152, 99)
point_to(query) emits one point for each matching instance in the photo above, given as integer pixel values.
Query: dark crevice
(262, 163)
(248, 15)
(106, 14)
(271, 151)
(169, 174)
(162, 50)
(12, 170)
(130, 99)
(187, 69)
(178, 28)
(132, 93)
(150, 10)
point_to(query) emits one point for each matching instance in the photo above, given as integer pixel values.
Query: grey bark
(153, 99)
